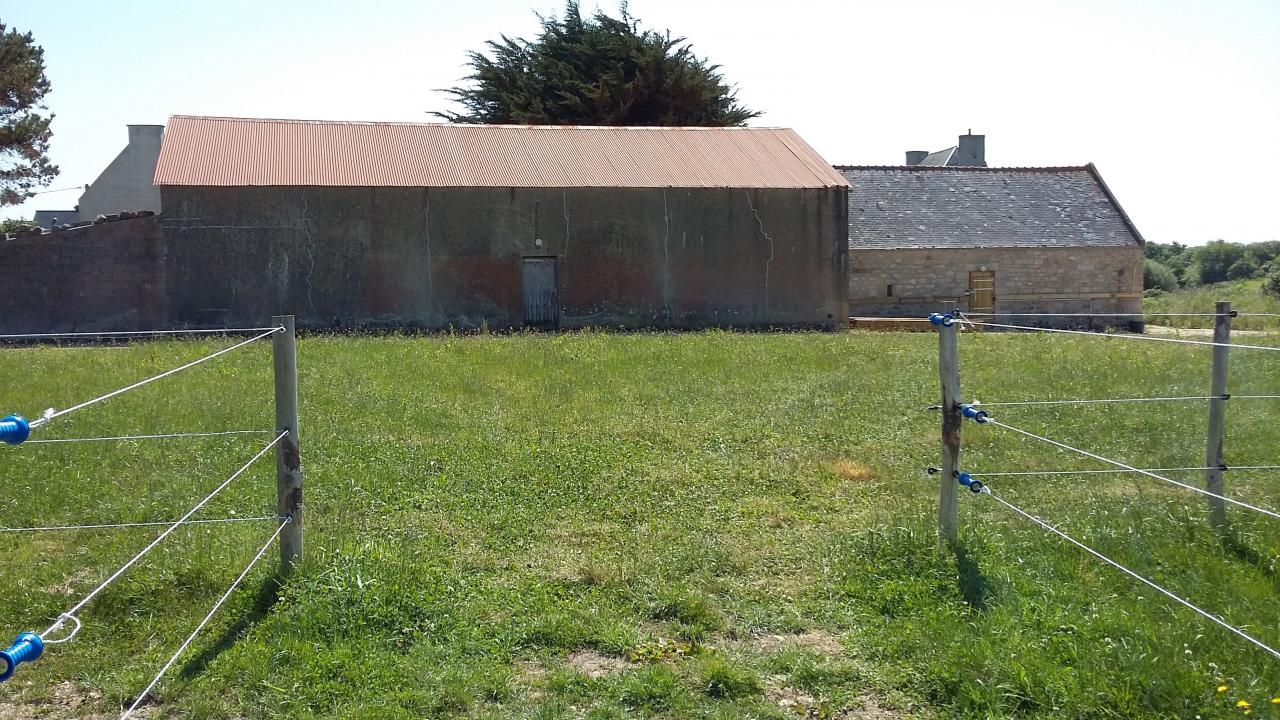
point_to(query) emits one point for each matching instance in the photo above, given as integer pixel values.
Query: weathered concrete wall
(1028, 280)
(444, 257)
(125, 184)
(99, 277)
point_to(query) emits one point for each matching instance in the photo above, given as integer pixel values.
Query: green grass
(1245, 296)
(732, 525)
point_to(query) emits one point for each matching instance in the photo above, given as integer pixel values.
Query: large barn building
(991, 241)
(434, 225)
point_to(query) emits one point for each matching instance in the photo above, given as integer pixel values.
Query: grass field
(709, 525)
(1245, 296)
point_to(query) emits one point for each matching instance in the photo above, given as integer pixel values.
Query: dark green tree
(597, 71)
(24, 130)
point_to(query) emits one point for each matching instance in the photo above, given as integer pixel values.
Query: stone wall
(1027, 280)
(109, 276)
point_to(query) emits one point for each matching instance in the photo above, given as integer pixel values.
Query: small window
(888, 290)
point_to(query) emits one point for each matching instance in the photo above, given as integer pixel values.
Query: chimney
(145, 134)
(972, 150)
(914, 157)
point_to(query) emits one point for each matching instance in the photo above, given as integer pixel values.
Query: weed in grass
(653, 688)
(723, 679)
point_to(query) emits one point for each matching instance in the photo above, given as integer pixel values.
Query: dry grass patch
(594, 665)
(851, 470)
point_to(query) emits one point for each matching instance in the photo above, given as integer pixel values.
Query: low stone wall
(95, 277)
(1027, 280)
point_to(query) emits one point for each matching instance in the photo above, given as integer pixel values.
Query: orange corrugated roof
(247, 151)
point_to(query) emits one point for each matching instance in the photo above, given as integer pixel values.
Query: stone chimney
(914, 157)
(972, 150)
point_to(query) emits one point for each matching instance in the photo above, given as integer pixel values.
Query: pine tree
(24, 131)
(597, 71)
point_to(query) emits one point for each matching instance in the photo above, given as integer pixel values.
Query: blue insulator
(14, 429)
(941, 319)
(967, 480)
(973, 413)
(27, 648)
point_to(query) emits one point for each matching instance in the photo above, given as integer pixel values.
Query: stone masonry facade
(915, 282)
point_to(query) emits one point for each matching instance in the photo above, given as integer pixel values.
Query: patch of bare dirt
(816, 641)
(67, 701)
(869, 708)
(594, 665)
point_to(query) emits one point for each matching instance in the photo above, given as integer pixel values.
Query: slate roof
(210, 151)
(977, 207)
(45, 218)
(939, 158)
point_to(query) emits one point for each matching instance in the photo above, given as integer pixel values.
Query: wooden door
(982, 292)
(540, 306)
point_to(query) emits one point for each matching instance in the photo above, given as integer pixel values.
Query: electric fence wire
(1130, 468)
(1227, 468)
(1127, 400)
(70, 614)
(148, 437)
(48, 416)
(1118, 336)
(110, 526)
(1203, 613)
(190, 638)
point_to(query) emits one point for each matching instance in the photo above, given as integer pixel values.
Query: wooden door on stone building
(982, 292)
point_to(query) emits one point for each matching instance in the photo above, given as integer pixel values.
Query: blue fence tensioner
(941, 319)
(966, 480)
(14, 429)
(972, 412)
(28, 647)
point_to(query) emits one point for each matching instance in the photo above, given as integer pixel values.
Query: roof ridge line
(304, 121)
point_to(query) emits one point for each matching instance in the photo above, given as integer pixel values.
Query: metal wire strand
(1203, 613)
(1130, 400)
(110, 526)
(1130, 468)
(1150, 338)
(1112, 472)
(138, 333)
(190, 638)
(176, 524)
(50, 416)
(148, 437)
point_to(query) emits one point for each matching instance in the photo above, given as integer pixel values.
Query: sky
(1176, 102)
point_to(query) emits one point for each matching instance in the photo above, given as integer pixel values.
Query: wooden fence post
(1216, 433)
(288, 458)
(949, 374)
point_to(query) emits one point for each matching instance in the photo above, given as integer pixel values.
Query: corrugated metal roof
(208, 151)
(976, 207)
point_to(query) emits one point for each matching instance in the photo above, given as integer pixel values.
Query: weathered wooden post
(949, 374)
(1217, 416)
(288, 458)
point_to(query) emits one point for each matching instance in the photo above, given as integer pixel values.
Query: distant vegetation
(1174, 266)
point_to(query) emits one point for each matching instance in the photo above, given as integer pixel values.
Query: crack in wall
(564, 204)
(766, 236)
(308, 231)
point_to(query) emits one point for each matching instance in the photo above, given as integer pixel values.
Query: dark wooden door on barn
(541, 308)
(982, 292)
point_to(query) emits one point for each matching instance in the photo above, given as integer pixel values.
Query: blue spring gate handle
(28, 647)
(14, 429)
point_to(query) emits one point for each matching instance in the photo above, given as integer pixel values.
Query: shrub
(1271, 285)
(1156, 275)
(1246, 268)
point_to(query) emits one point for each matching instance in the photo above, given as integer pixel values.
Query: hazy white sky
(1177, 102)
